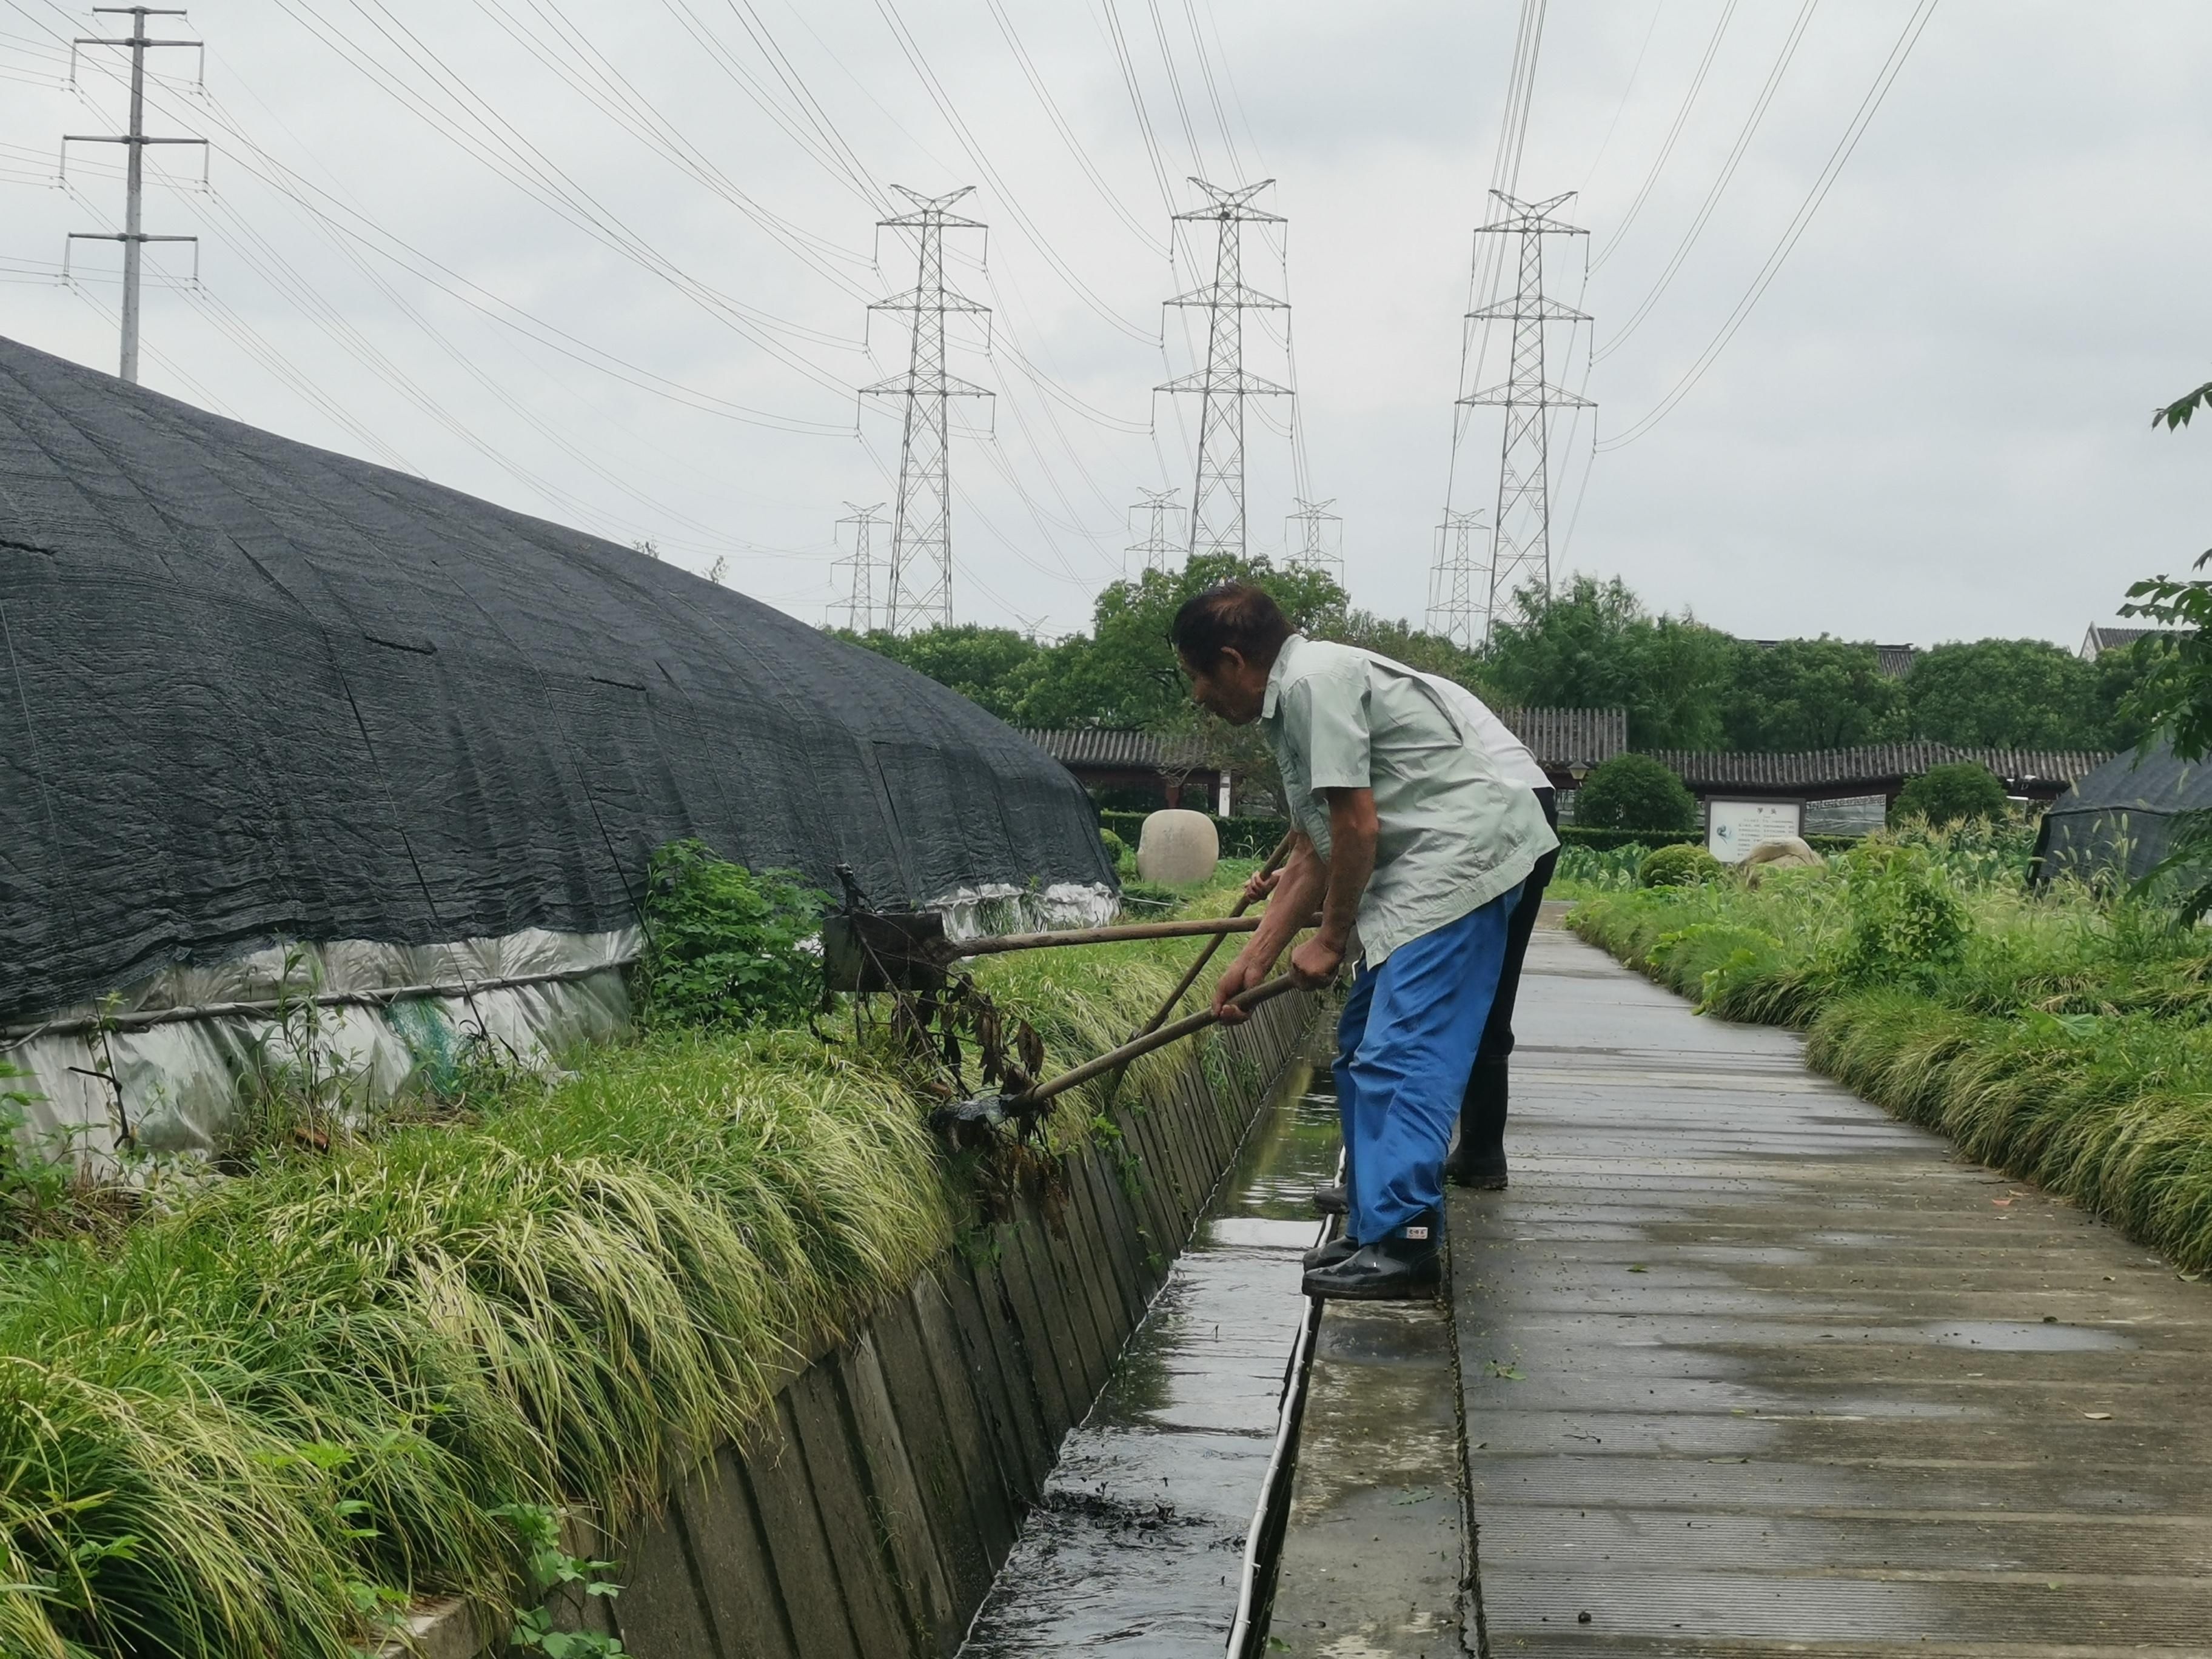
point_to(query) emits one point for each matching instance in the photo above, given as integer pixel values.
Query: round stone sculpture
(1177, 846)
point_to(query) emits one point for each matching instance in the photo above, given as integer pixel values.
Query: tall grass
(261, 1422)
(2063, 1036)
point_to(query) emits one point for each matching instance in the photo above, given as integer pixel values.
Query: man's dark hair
(1229, 616)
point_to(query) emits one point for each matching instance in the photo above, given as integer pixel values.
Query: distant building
(2098, 640)
(1893, 660)
(1566, 743)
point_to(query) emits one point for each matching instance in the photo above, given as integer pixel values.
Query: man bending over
(1409, 833)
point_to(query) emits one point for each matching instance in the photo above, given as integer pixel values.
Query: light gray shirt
(1456, 830)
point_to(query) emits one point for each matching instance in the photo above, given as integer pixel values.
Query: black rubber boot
(1328, 1255)
(1478, 1153)
(1329, 1201)
(1404, 1266)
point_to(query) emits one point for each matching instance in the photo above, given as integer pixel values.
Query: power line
(1886, 77)
(1720, 184)
(1674, 135)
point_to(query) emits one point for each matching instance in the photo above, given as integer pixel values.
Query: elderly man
(1408, 827)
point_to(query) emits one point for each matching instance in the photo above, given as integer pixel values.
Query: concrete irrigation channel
(871, 1517)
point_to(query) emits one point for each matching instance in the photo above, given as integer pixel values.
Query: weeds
(725, 946)
(270, 1415)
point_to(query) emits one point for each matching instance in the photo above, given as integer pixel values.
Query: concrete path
(1751, 1368)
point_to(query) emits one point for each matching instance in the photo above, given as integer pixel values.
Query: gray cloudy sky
(609, 262)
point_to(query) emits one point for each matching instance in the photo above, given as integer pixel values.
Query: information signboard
(1732, 828)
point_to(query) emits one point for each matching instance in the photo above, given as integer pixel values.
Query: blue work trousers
(1405, 1047)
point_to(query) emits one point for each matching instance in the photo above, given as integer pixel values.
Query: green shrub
(1955, 793)
(1583, 868)
(1906, 922)
(726, 947)
(1680, 866)
(1634, 792)
(1118, 855)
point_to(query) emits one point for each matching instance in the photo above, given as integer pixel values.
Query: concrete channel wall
(869, 1517)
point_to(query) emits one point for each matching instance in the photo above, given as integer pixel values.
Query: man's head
(1226, 639)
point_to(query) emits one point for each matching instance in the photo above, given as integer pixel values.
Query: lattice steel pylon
(1158, 548)
(1521, 528)
(920, 589)
(860, 605)
(1314, 539)
(1217, 508)
(1454, 608)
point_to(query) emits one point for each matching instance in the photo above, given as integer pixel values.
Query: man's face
(1232, 689)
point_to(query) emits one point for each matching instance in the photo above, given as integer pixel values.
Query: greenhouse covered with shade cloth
(258, 698)
(2120, 818)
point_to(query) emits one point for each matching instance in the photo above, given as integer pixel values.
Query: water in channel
(1137, 1546)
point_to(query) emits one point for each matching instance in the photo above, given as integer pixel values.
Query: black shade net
(252, 690)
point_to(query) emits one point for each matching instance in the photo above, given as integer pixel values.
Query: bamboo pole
(1189, 1026)
(1190, 974)
(1189, 928)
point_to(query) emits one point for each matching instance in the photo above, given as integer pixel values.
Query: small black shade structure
(250, 691)
(2119, 818)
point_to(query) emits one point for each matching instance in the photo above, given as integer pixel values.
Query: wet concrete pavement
(1748, 1367)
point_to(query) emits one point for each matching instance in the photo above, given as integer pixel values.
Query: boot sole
(1481, 1183)
(1426, 1290)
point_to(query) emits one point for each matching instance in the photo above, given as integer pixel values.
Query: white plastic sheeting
(164, 1060)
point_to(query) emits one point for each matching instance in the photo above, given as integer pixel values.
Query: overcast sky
(609, 262)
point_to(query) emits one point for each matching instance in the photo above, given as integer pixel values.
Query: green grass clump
(2064, 1037)
(266, 1419)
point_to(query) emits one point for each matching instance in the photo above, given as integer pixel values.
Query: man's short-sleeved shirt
(1457, 831)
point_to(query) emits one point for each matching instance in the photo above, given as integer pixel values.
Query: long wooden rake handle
(1190, 974)
(1189, 1026)
(1189, 928)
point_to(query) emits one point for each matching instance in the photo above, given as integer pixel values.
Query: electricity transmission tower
(1158, 549)
(1216, 511)
(132, 235)
(1521, 528)
(859, 606)
(921, 586)
(1314, 539)
(1453, 605)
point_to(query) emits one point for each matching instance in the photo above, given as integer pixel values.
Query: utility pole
(860, 606)
(133, 236)
(1216, 512)
(1158, 548)
(1520, 529)
(921, 587)
(1454, 610)
(1315, 537)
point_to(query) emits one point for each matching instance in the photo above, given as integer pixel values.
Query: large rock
(1789, 852)
(1177, 846)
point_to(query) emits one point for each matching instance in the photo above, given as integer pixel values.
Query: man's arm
(1298, 888)
(1353, 828)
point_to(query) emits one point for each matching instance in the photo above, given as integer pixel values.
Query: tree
(992, 667)
(1809, 694)
(1956, 794)
(2005, 693)
(1432, 654)
(1593, 645)
(1125, 674)
(1634, 792)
